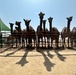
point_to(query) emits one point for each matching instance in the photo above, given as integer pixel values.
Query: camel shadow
(49, 55)
(47, 62)
(5, 50)
(23, 60)
(7, 55)
(61, 57)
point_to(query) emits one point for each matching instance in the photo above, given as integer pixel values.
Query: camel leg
(19, 41)
(12, 41)
(16, 42)
(57, 43)
(71, 43)
(63, 42)
(26, 42)
(45, 41)
(48, 41)
(68, 42)
(30, 42)
(42, 41)
(51, 43)
(34, 42)
(38, 42)
(22, 42)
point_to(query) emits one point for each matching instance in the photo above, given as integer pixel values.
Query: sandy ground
(46, 62)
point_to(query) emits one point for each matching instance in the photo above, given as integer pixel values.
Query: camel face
(50, 19)
(11, 24)
(41, 15)
(17, 23)
(70, 18)
(27, 22)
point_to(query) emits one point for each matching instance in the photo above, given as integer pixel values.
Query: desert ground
(17, 61)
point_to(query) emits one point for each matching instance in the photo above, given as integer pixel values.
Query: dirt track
(26, 62)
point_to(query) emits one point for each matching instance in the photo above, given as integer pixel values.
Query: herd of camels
(42, 37)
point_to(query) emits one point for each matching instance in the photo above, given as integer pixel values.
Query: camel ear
(71, 17)
(24, 19)
(11, 23)
(67, 18)
(29, 20)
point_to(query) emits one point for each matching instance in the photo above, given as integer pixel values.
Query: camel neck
(68, 25)
(44, 26)
(40, 24)
(27, 27)
(50, 24)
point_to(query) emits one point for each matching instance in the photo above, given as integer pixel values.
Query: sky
(17, 10)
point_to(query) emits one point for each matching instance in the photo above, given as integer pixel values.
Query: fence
(23, 42)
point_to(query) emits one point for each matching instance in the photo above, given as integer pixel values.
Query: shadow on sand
(5, 50)
(7, 55)
(49, 55)
(23, 60)
(47, 62)
(61, 57)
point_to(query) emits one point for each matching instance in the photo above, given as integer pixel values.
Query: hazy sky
(17, 10)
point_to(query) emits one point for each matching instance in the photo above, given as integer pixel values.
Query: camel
(15, 34)
(74, 36)
(10, 37)
(18, 33)
(45, 32)
(66, 32)
(40, 30)
(29, 33)
(54, 33)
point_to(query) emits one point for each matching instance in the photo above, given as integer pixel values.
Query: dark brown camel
(18, 34)
(13, 35)
(54, 33)
(40, 30)
(10, 37)
(66, 32)
(29, 33)
(45, 33)
(73, 36)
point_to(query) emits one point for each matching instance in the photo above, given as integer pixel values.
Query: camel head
(41, 15)
(17, 23)
(69, 18)
(11, 24)
(50, 19)
(27, 22)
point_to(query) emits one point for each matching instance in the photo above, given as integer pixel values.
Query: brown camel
(54, 33)
(45, 33)
(74, 36)
(66, 32)
(40, 30)
(18, 33)
(29, 33)
(10, 37)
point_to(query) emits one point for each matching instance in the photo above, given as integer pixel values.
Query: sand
(30, 62)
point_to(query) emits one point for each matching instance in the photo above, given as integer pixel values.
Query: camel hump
(65, 29)
(54, 29)
(31, 28)
(46, 29)
(74, 30)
